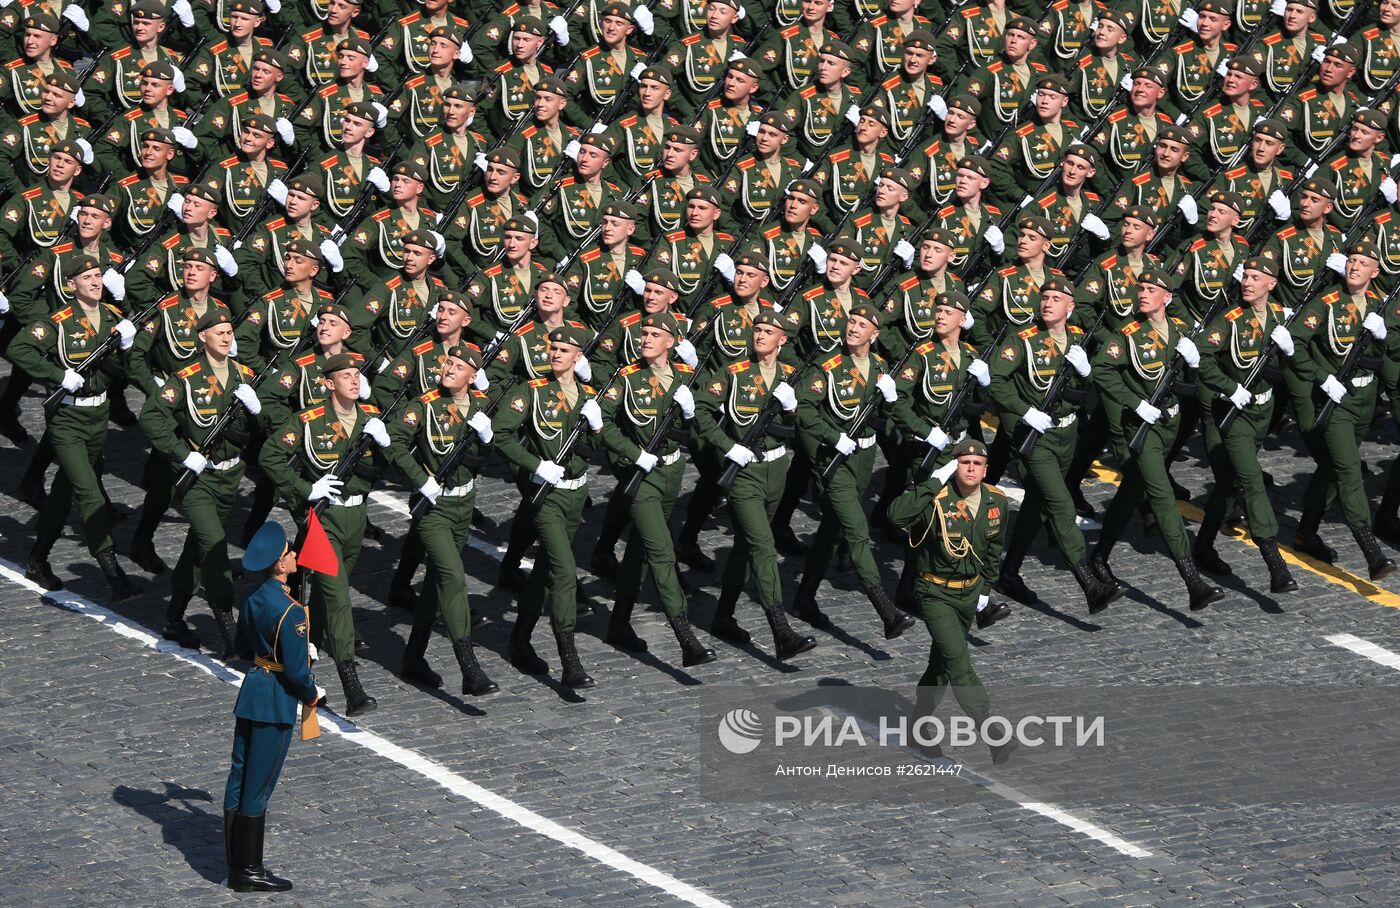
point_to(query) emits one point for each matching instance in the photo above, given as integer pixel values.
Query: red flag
(316, 552)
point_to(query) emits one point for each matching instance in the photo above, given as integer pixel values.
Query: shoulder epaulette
(740, 366)
(121, 54)
(910, 282)
(675, 236)
(1110, 261)
(947, 210)
(62, 314)
(1234, 314)
(691, 39)
(1307, 95)
(1142, 178)
(1287, 233)
(524, 329)
(423, 348)
(1007, 272)
(814, 293)
(1184, 46)
(60, 248)
(128, 180)
(840, 156)
(1029, 332)
(1199, 243)
(32, 193)
(831, 363)
(328, 90)
(926, 347)
(1212, 110)
(1273, 39)
(681, 367)
(189, 370)
(1236, 173)
(306, 360)
(630, 319)
(170, 301)
(865, 219)
(1129, 328)
(313, 413)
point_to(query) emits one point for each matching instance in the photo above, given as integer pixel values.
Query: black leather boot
(724, 626)
(572, 673)
(1309, 543)
(520, 652)
(1202, 593)
(1098, 593)
(1098, 562)
(38, 570)
(474, 680)
(143, 551)
(229, 817)
(1012, 586)
(693, 652)
(176, 630)
(415, 664)
(688, 552)
(804, 604)
(356, 700)
(620, 632)
(895, 621)
(1280, 580)
(1376, 562)
(122, 588)
(1000, 752)
(1387, 523)
(249, 874)
(786, 642)
(228, 633)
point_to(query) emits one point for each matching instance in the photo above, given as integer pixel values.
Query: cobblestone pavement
(113, 754)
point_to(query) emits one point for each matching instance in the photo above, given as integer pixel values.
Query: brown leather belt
(950, 584)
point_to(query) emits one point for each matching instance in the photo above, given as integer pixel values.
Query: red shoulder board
(430, 396)
(169, 301)
(740, 366)
(313, 413)
(189, 370)
(328, 90)
(1117, 115)
(62, 314)
(1142, 178)
(813, 293)
(1198, 244)
(1287, 233)
(681, 367)
(1029, 332)
(423, 348)
(1110, 261)
(910, 283)
(831, 363)
(628, 321)
(524, 329)
(306, 360)
(1233, 314)
(370, 409)
(1129, 328)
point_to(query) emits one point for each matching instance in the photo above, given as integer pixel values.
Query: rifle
(955, 407)
(863, 417)
(759, 427)
(1053, 394)
(1351, 363)
(571, 443)
(99, 353)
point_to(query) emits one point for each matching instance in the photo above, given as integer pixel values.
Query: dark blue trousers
(258, 751)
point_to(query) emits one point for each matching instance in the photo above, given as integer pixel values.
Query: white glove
(431, 489)
(593, 414)
(937, 438)
(634, 281)
(285, 132)
(1282, 339)
(945, 472)
(1127, 83)
(905, 252)
(1374, 324)
(1095, 225)
(320, 691)
(331, 253)
(1188, 352)
(278, 190)
(560, 29)
(176, 203)
(686, 351)
(1337, 262)
(273, 6)
(737, 55)
(1277, 7)
(1394, 161)
(995, 239)
(1279, 203)
(1077, 358)
(72, 381)
(1187, 204)
(233, 348)
(160, 382)
(1240, 397)
(181, 8)
(938, 106)
(1188, 18)
(786, 397)
(1222, 69)
(1026, 200)
(984, 600)
(481, 424)
(1334, 389)
(480, 161)
(968, 321)
(1238, 273)
(77, 17)
(5, 4)
(184, 137)
(853, 114)
(378, 178)
(637, 71)
(464, 53)
(1182, 119)
(846, 445)
(374, 428)
(686, 401)
(885, 385)
(4, 304)
(1312, 169)
(549, 473)
(725, 266)
(115, 283)
(978, 370)
(642, 16)
(600, 128)
(1388, 188)
(327, 487)
(751, 128)
(646, 461)
(248, 397)
(195, 462)
(583, 370)
(315, 656)
(381, 113)
(571, 150)
(818, 256)
(482, 381)
(225, 259)
(1148, 413)
(1038, 420)
(1318, 53)
(740, 455)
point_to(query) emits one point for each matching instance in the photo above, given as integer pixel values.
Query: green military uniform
(821, 113)
(500, 294)
(1205, 270)
(846, 176)
(786, 250)
(344, 177)
(1316, 119)
(311, 56)
(600, 274)
(374, 250)
(219, 128)
(34, 218)
(1301, 253)
(1124, 143)
(540, 150)
(972, 41)
(1003, 90)
(699, 62)
(935, 166)
(662, 205)
(879, 46)
(393, 313)
(1008, 303)
(968, 227)
(1029, 155)
(276, 322)
(687, 255)
(223, 66)
(621, 340)
(759, 185)
(450, 158)
(598, 77)
(320, 122)
(572, 210)
(639, 139)
(25, 147)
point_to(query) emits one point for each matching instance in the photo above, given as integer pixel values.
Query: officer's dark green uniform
(573, 209)
(1301, 250)
(601, 272)
(429, 430)
(394, 313)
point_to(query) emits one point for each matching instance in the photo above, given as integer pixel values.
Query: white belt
(866, 442)
(225, 464)
(96, 400)
(1263, 397)
(671, 458)
(354, 501)
(1065, 421)
(1357, 381)
(772, 454)
(461, 490)
(570, 484)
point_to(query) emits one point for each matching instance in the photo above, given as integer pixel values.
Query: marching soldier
(35, 218)
(279, 318)
(702, 59)
(1289, 48)
(911, 91)
(1098, 75)
(542, 143)
(1069, 28)
(574, 206)
(115, 82)
(691, 253)
(1131, 132)
(789, 56)
(967, 218)
(312, 53)
(787, 245)
(911, 308)
(848, 173)
(119, 149)
(248, 174)
(223, 66)
(1309, 244)
(823, 107)
(221, 127)
(26, 145)
(146, 192)
(1318, 114)
(503, 291)
(488, 211)
(602, 72)
(758, 183)
(1010, 299)
(600, 273)
(1359, 171)
(420, 105)
(393, 313)
(973, 39)
(663, 200)
(1259, 180)
(159, 271)
(1380, 46)
(1223, 129)
(1026, 158)
(639, 136)
(22, 88)
(1163, 187)
(1071, 206)
(518, 75)
(1198, 57)
(321, 121)
(881, 40)
(373, 251)
(725, 121)
(407, 43)
(451, 150)
(881, 230)
(262, 257)
(935, 166)
(346, 172)
(1004, 84)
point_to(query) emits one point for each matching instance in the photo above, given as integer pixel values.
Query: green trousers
(1047, 501)
(948, 614)
(649, 545)
(1339, 466)
(1234, 460)
(207, 506)
(78, 435)
(332, 621)
(844, 518)
(553, 583)
(442, 532)
(1145, 474)
(158, 479)
(753, 500)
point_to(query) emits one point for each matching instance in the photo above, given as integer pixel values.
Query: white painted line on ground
(1378, 654)
(414, 762)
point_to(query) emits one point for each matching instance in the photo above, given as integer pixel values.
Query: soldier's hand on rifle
(331, 253)
(845, 444)
(1127, 83)
(1077, 358)
(1277, 7)
(1388, 188)
(740, 455)
(1147, 413)
(885, 385)
(1188, 352)
(725, 266)
(1334, 389)
(72, 381)
(905, 252)
(176, 203)
(115, 283)
(818, 256)
(225, 259)
(1188, 18)
(1240, 397)
(1337, 262)
(327, 487)
(464, 53)
(374, 428)
(181, 8)
(853, 114)
(647, 461)
(1095, 225)
(634, 281)
(77, 17)
(686, 401)
(4, 304)
(938, 106)
(184, 137)
(248, 397)
(285, 131)
(549, 473)
(937, 438)
(195, 462)
(1282, 339)
(1279, 203)
(583, 370)
(593, 414)
(127, 332)
(273, 6)
(378, 179)
(430, 489)
(364, 387)
(686, 351)
(482, 381)
(1038, 420)
(751, 127)
(1319, 52)
(1187, 204)
(560, 29)
(978, 370)
(966, 325)
(995, 239)
(786, 397)
(1374, 324)
(278, 190)
(481, 425)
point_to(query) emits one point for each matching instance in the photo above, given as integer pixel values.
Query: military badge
(289, 438)
(517, 404)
